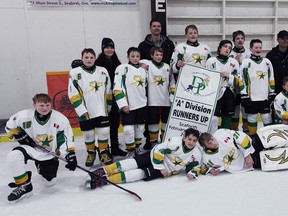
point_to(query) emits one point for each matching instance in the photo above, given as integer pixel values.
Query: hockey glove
(271, 98)
(245, 101)
(76, 63)
(23, 138)
(71, 161)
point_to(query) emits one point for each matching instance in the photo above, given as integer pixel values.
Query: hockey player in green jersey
(90, 93)
(45, 127)
(165, 159)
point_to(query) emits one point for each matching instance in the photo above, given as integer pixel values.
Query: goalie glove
(71, 161)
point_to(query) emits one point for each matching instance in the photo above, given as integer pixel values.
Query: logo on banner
(199, 84)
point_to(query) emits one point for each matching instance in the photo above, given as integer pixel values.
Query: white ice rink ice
(254, 193)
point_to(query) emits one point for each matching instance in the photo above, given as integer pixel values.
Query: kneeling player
(41, 126)
(164, 160)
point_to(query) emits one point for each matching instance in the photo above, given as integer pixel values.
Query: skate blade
(27, 195)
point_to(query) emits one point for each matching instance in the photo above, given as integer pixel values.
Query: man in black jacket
(158, 40)
(279, 59)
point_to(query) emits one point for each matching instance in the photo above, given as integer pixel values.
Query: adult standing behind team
(156, 39)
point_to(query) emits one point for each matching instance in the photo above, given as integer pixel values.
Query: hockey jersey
(90, 91)
(231, 66)
(281, 105)
(174, 157)
(258, 79)
(55, 133)
(196, 55)
(161, 84)
(129, 86)
(244, 54)
(234, 146)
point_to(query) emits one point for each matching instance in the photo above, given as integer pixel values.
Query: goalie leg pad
(274, 136)
(275, 159)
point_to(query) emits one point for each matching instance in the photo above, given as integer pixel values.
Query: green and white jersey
(258, 78)
(196, 55)
(234, 146)
(161, 83)
(90, 91)
(55, 133)
(231, 66)
(129, 86)
(244, 54)
(173, 156)
(281, 105)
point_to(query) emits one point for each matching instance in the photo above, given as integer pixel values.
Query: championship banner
(57, 83)
(80, 3)
(194, 102)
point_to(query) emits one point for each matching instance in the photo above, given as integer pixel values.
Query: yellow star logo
(95, 85)
(159, 80)
(139, 81)
(45, 139)
(197, 58)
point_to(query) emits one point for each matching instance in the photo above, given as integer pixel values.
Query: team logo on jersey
(229, 158)
(261, 74)
(197, 58)
(45, 139)
(282, 158)
(159, 80)
(139, 81)
(95, 85)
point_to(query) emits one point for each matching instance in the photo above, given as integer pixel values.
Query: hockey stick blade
(86, 170)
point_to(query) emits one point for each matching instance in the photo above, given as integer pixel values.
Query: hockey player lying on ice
(225, 150)
(234, 152)
(164, 160)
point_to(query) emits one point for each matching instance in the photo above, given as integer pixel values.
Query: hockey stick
(85, 170)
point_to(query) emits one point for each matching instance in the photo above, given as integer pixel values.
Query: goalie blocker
(272, 146)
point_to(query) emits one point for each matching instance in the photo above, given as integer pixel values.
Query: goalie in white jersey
(130, 93)
(169, 158)
(281, 103)
(229, 72)
(90, 93)
(161, 88)
(45, 127)
(257, 90)
(190, 52)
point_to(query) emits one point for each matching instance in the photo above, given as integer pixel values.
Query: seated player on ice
(39, 126)
(165, 159)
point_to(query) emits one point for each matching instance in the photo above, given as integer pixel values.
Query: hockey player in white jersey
(227, 150)
(161, 88)
(239, 52)
(130, 94)
(165, 159)
(90, 93)
(281, 103)
(45, 127)
(190, 52)
(229, 72)
(257, 90)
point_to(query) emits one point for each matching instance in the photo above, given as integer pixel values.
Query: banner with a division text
(194, 102)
